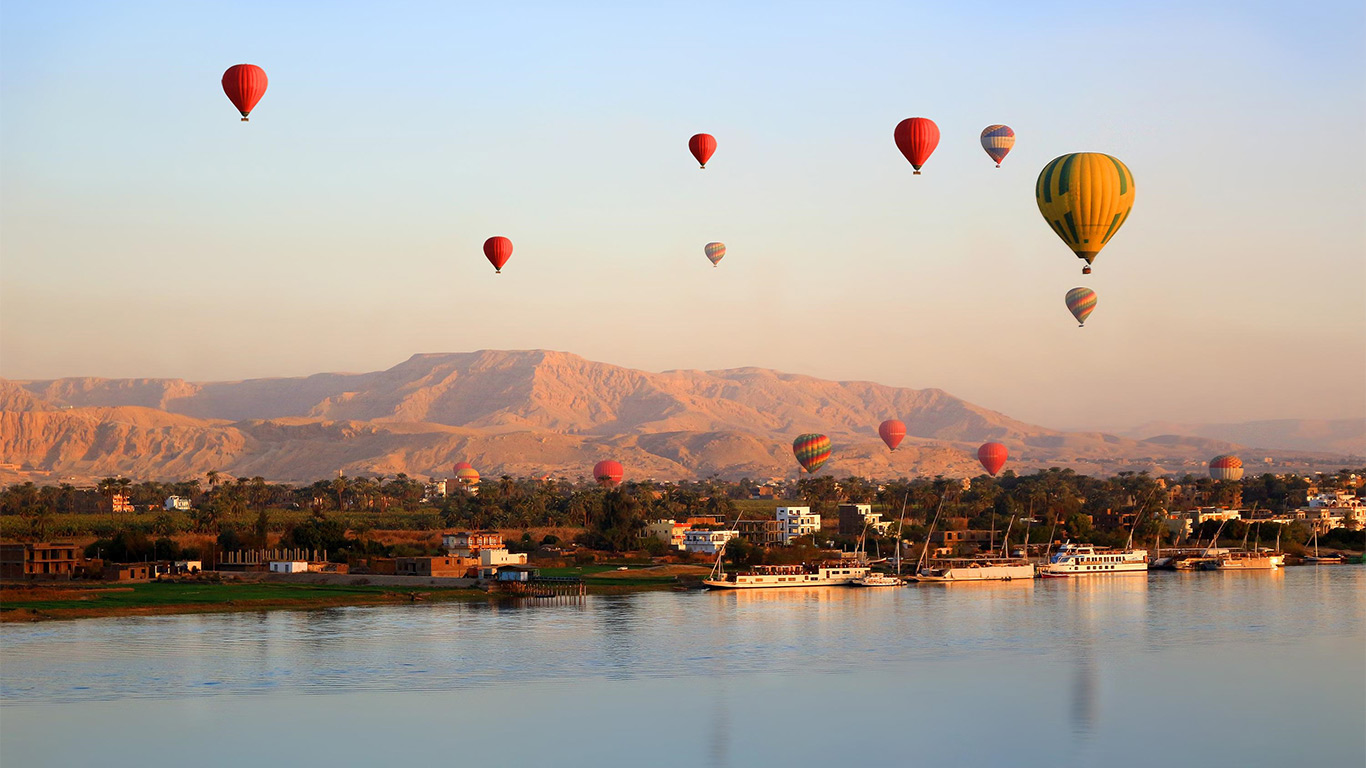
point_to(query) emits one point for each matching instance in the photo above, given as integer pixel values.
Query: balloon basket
(917, 173)
(1086, 270)
(246, 120)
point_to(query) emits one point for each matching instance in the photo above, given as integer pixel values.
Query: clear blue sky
(145, 231)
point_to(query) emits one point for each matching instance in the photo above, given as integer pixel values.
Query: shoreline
(66, 601)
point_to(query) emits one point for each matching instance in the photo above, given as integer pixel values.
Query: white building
(288, 566)
(797, 522)
(668, 531)
(179, 503)
(707, 542)
(434, 490)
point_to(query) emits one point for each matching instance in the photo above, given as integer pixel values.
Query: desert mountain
(531, 412)
(1345, 436)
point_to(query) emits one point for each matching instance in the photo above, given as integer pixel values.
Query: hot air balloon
(1226, 467)
(702, 146)
(608, 473)
(916, 137)
(244, 84)
(998, 140)
(812, 450)
(465, 474)
(891, 431)
(1080, 302)
(498, 250)
(1085, 197)
(993, 457)
(715, 252)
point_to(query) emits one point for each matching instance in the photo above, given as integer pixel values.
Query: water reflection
(1067, 664)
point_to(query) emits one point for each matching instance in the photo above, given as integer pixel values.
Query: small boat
(877, 580)
(831, 574)
(1317, 559)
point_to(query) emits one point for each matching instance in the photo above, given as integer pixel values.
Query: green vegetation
(162, 597)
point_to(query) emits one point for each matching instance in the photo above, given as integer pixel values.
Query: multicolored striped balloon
(715, 252)
(1085, 197)
(998, 140)
(1226, 467)
(812, 450)
(1080, 302)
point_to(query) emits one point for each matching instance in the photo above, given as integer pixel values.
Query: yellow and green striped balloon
(1085, 197)
(812, 450)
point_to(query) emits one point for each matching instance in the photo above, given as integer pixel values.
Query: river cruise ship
(975, 569)
(769, 576)
(1085, 560)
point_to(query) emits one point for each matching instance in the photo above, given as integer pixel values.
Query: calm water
(1205, 669)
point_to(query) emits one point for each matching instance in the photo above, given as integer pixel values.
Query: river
(1214, 669)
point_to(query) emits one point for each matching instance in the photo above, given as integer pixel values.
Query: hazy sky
(145, 231)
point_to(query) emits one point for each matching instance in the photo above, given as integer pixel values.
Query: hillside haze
(533, 412)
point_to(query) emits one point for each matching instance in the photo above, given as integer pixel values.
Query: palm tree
(213, 478)
(339, 487)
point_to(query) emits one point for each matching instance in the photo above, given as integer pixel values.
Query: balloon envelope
(702, 146)
(998, 140)
(244, 84)
(1226, 467)
(891, 431)
(715, 252)
(1080, 302)
(993, 457)
(1085, 197)
(466, 474)
(812, 450)
(916, 137)
(608, 473)
(498, 250)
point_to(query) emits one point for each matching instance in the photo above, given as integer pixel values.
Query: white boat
(975, 569)
(833, 574)
(877, 580)
(1085, 560)
(1242, 560)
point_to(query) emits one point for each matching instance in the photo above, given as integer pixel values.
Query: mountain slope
(528, 412)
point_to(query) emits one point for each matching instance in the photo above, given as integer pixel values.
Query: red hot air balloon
(608, 473)
(917, 137)
(891, 431)
(498, 250)
(702, 146)
(993, 457)
(244, 84)
(466, 474)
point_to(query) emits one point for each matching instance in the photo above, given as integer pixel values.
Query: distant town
(556, 537)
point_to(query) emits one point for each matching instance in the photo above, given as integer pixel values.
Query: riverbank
(27, 602)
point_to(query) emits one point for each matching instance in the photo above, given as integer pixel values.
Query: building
(288, 566)
(855, 518)
(452, 567)
(187, 566)
(436, 489)
(468, 544)
(119, 503)
(797, 522)
(958, 541)
(668, 531)
(37, 561)
(707, 542)
(176, 503)
(516, 573)
(764, 533)
(127, 572)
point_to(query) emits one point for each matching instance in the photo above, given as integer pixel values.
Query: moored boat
(874, 579)
(1087, 560)
(974, 569)
(830, 574)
